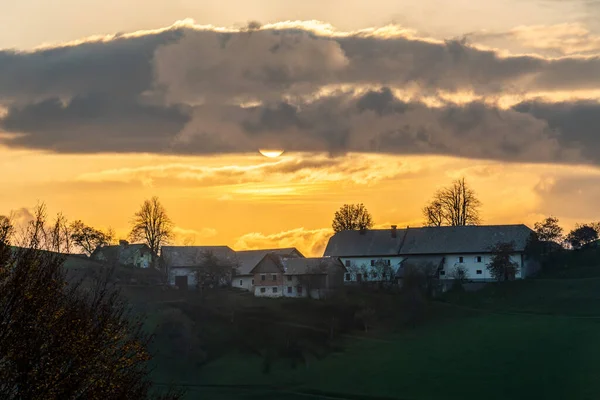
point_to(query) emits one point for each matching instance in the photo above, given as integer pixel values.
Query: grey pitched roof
(303, 266)
(426, 240)
(463, 239)
(373, 242)
(248, 259)
(122, 254)
(190, 256)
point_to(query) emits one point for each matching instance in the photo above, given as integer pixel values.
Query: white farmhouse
(444, 248)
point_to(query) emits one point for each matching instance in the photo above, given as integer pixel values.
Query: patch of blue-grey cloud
(180, 91)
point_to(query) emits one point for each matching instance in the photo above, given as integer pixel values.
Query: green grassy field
(522, 340)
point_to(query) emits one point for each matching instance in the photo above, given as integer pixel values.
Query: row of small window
(462, 259)
(387, 263)
(290, 289)
(360, 276)
(478, 272)
(263, 277)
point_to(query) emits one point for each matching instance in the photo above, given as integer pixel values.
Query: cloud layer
(303, 87)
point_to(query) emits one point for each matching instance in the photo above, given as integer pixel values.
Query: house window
(289, 289)
(263, 277)
(442, 272)
(372, 263)
(274, 290)
(461, 260)
(263, 290)
(359, 277)
(273, 277)
(289, 278)
(478, 272)
(299, 289)
(347, 263)
(252, 281)
(478, 259)
(388, 262)
(241, 282)
(348, 277)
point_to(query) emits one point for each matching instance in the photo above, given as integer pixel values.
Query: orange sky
(250, 201)
(361, 102)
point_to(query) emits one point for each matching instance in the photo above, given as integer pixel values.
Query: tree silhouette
(352, 217)
(152, 225)
(455, 205)
(88, 238)
(548, 230)
(581, 235)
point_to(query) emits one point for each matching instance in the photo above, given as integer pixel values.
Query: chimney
(123, 243)
(394, 231)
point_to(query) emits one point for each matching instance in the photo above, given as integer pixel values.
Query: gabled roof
(119, 253)
(306, 266)
(373, 242)
(191, 256)
(248, 259)
(463, 239)
(426, 240)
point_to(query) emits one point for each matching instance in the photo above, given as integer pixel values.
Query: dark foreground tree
(65, 340)
(455, 205)
(581, 235)
(548, 230)
(152, 225)
(501, 266)
(352, 217)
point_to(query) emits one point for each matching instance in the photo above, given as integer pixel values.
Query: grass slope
(534, 339)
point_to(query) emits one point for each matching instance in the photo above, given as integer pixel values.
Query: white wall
(245, 282)
(472, 266)
(143, 261)
(395, 261)
(268, 291)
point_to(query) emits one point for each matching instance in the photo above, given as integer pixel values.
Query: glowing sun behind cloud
(271, 153)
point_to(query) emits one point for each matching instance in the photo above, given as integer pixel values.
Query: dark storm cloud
(173, 91)
(576, 122)
(94, 123)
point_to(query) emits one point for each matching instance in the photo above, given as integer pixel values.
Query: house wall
(472, 266)
(268, 291)
(245, 282)
(143, 260)
(359, 262)
(268, 269)
(173, 272)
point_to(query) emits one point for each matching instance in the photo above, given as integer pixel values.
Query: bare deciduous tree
(456, 205)
(152, 225)
(352, 217)
(88, 238)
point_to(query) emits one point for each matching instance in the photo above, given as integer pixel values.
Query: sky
(105, 103)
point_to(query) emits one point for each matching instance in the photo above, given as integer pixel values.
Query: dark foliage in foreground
(65, 340)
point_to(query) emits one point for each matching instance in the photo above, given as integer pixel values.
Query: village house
(125, 254)
(248, 260)
(182, 263)
(442, 249)
(312, 277)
